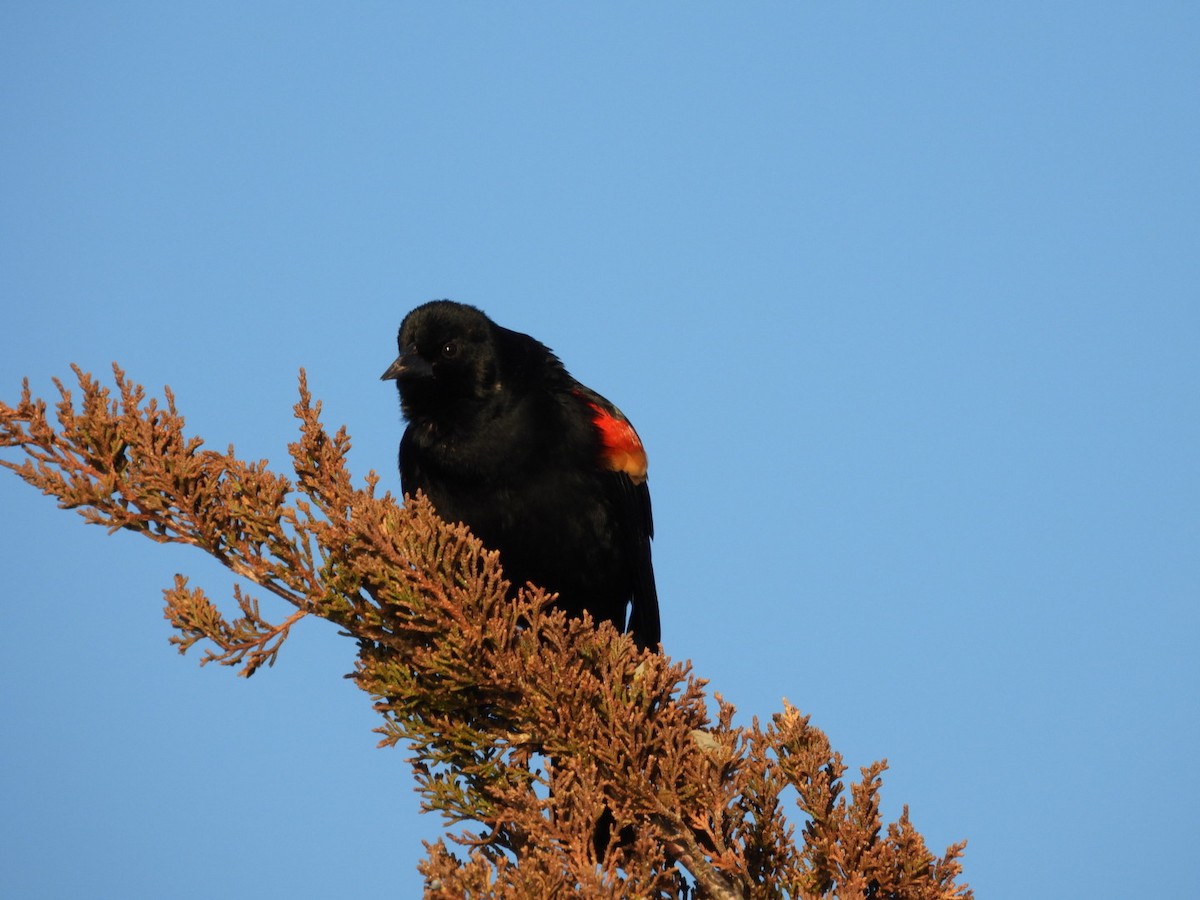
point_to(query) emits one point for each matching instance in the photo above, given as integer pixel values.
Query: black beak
(407, 365)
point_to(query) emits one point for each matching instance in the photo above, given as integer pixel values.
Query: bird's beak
(407, 365)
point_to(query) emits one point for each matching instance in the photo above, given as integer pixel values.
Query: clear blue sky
(903, 298)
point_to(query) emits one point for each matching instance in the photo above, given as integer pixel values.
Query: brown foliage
(529, 727)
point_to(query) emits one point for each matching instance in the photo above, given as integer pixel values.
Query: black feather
(502, 438)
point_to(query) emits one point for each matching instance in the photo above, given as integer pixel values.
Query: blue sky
(904, 300)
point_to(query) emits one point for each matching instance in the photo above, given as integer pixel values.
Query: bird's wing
(643, 616)
(624, 456)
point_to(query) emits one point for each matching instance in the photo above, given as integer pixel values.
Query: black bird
(501, 438)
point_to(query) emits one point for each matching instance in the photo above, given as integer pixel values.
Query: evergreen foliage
(579, 765)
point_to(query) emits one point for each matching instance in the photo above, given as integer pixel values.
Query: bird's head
(447, 356)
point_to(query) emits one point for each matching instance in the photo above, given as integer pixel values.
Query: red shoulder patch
(621, 447)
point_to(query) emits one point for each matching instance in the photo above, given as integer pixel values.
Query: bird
(541, 468)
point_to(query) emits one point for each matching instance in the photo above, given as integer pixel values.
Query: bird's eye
(450, 349)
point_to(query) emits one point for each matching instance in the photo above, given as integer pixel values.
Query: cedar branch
(532, 727)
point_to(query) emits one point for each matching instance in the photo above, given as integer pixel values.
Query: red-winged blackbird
(539, 467)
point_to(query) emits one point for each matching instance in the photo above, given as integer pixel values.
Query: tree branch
(534, 728)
